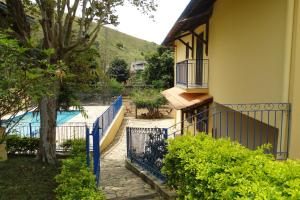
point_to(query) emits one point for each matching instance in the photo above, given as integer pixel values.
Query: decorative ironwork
(259, 107)
(147, 147)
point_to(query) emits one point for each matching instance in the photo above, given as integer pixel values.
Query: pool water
(62, 117)
(29, 125)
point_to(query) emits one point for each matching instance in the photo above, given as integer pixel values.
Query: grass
(25, 178)
(133, 48)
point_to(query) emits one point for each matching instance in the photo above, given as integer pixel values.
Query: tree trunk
(3, 153)
(47, 151)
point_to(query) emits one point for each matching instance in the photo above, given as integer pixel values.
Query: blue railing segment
(96, 150)
(106, 118)
(251, 125)
(193, 73)
(87, 146)
(100, 128)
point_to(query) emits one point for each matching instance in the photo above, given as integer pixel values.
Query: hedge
(17, 144)
(76, 181)
(204, 168)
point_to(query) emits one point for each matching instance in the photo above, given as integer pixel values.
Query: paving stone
(116, 180)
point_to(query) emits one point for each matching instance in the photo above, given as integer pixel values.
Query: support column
(294, 97)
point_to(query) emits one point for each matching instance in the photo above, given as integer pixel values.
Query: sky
(141, 26)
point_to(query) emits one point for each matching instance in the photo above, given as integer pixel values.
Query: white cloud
(136, 24)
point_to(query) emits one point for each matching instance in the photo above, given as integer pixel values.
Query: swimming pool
(29, 125)
(62, 117)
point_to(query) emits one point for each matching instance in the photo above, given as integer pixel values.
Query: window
(189, 116)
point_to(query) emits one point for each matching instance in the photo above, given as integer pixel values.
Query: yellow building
(237, 72)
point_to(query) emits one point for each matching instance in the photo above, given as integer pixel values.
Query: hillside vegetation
(116, 44)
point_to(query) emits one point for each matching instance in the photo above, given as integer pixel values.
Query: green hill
(116, 44)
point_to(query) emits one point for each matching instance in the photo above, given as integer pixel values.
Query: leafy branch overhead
(69, 29)
(72, 25)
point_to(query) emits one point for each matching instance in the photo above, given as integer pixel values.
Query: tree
(119, 70)
(160, 67)
(63, 35)
(150, 99)
(18, 75)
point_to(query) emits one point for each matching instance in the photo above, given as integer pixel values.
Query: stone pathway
(118, 182)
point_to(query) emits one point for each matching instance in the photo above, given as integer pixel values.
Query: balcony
(192, 75)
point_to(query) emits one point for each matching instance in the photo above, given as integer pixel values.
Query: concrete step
(152, 196)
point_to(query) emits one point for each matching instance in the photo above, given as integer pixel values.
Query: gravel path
(118, 182)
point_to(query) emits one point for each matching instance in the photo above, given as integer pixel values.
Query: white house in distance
(137, 66)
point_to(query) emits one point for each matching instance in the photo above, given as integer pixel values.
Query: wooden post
(3, 153)
(136, 112)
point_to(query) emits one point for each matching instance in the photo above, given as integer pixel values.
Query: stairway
(117, 182)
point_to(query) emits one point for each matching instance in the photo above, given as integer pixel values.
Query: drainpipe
(288, 50)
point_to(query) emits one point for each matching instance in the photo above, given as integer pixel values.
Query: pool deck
(92, 111)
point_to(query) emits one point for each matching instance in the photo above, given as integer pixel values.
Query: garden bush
(17, 144)
(76, 181)
(150, 99)
(204, 168)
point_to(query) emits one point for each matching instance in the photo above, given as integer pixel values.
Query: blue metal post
(165, 133)
(87, 144)
(30, 130)
(96, 151)
(127, 141)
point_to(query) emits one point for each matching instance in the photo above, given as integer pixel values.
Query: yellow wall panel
(246, 51)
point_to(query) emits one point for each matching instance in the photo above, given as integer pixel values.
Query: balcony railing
(193, 73)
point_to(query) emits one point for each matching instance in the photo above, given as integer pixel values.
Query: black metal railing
(193, 73)
(147, 147)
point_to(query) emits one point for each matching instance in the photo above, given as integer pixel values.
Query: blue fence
(99, 130)
(251, 125)
(64, 132)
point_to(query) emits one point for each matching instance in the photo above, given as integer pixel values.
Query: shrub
(150, 99)
(17, 144)
(75, 146)
(204, 168)
(118, 70)
(158, 84)
(76, 181)
(115, 88)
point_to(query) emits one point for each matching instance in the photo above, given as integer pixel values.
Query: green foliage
(158, 84)
(150, 99)
(204, 168)
(17, 144)
(81, 79)
(76, 181)
(120, 45)
(75, 146)
(115, 88)
(18, 77)
(160, 67)
(119, 70)
(24, 177)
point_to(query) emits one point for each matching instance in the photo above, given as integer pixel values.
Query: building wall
(112, 130)
(180, 50)
(294, 95)
(246, 51)
(253, 48)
